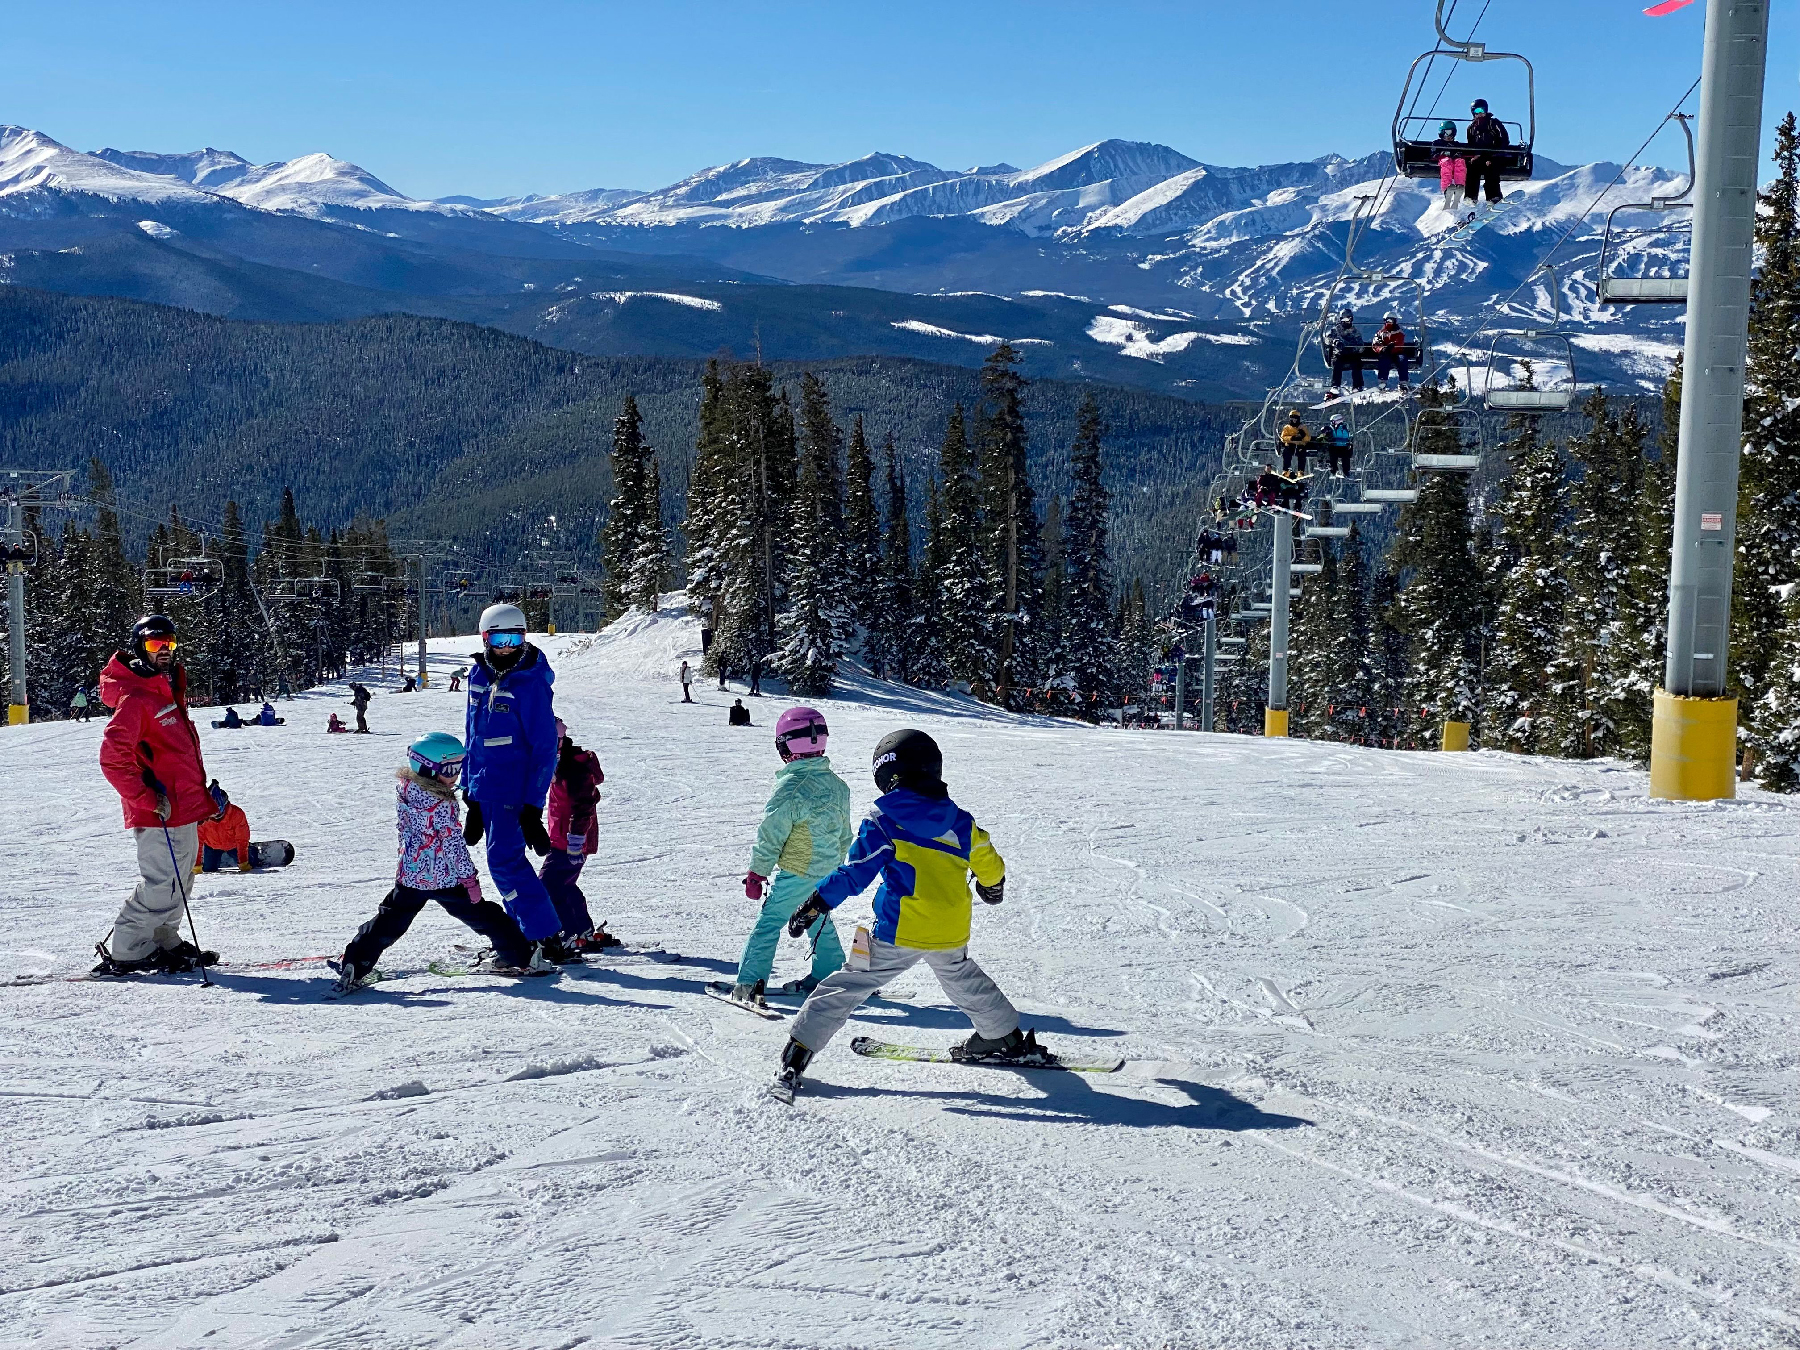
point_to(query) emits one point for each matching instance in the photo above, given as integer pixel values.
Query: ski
(368, 981)
(921, 1054)
(456, 972)
(720, 990)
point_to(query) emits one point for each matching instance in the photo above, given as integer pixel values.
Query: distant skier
(804, 833)
(335, 725)
(574, 835)
(687, 680)
(224, 833)
(737, 714)
(79, 708)
(410, 687)
(925, 848)
(1486, 132)
(150, 753)
(359, 699)
(456, 679)
(511, 734)
(434, 865)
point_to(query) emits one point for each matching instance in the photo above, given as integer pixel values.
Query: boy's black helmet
(908, 759)
(151, 625)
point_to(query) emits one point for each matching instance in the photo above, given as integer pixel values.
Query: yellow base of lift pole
(1275, 721)
(1456, 736)
(16, 714)
(1693, 750)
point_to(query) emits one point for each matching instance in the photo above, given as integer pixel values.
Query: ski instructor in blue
(512, 746)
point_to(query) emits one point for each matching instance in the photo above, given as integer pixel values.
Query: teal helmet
(436, 754)
(1446, 128)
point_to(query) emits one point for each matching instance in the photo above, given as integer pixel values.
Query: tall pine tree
(1090, 640)
(1012, 556)
(814, 625)
(860, 564)
(623, 535)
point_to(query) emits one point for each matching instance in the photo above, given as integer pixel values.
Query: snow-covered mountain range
(1115, 258)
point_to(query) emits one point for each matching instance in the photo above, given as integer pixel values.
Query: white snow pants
(841, 993)
(152, 917)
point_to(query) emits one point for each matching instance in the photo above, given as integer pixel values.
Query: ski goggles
(449, 768)
(810, 733)
(504, 638)
(158, 644)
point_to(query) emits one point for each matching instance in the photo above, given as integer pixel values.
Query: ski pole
(181, 890)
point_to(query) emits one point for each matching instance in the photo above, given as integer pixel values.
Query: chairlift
(1415, 145)
(1619, 290)
(1366, 507)
(1414, 349)
(22, 555)
(1300, 569)
(1460, 422)
(1388, 496)
(1554, 399)
(197, 577)
(369, 583)
(1326, 532)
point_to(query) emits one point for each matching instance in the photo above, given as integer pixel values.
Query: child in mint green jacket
(804, 835)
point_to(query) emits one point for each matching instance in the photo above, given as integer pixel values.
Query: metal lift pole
(1180, 682)
(1206, 679)
(18, 707)
(1693, 749)
(1275, 717)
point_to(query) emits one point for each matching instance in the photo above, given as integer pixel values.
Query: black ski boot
(1016, 1047)
(111, 967)
(794, 1059)
(351, 976)
(184, 956)
(558, 950)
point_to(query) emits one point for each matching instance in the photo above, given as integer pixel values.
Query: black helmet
(151, 625)
(909, 759)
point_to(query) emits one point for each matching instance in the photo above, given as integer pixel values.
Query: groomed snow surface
(1423, 1050)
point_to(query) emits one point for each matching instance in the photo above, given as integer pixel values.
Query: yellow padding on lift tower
(1274, 721)
(17, 714)
(1693, 748)
(1456, 736)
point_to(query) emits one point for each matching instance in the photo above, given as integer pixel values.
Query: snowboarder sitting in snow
(804, 833)
(737, 715)
(267, 716)
(924, 847)
(335, 724)
(225, 832)
(574, 834)
(511, 732)
(231, 719)
(434, 865)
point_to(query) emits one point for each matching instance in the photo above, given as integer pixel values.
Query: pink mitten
(753, 885)
(472, 884)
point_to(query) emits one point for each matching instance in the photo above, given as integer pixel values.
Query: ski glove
(577, 842)
(811, 910)
(753, 886)
(531, 825)
(473, 825)
(472, 884)
(994, 894)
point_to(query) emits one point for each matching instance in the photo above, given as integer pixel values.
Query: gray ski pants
(152, 917)
(841, 993)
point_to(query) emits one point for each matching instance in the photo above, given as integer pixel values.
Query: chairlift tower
(1275, 715)
(20, 551)
(1693, 746)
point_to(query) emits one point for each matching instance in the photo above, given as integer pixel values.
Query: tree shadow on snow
(1072, 1098)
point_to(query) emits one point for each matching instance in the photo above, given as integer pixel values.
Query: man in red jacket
(150, 753)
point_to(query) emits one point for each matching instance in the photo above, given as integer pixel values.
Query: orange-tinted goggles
(159, 644)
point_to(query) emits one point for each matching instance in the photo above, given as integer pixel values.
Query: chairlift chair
(369, 583)
(22, 555)
(197, 577)
(1621, 290)
(1554, 399)
(1415, 144)
(1460, 422)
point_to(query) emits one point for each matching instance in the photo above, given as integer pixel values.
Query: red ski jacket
(574, 795)
(151, 741)
(229, 835)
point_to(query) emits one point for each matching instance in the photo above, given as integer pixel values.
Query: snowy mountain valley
(1121, 261)
(1421, 1050)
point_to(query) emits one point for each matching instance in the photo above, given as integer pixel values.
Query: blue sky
(553, 95)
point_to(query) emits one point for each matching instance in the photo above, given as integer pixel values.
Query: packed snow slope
(1423, 1050)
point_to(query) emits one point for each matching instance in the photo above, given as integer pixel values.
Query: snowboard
(874, 1049)
(271, 853)
(1479, 221)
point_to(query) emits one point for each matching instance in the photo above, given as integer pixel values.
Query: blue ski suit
(510, 735)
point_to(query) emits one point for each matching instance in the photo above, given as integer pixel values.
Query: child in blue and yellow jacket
(925, 848)
(804, 832)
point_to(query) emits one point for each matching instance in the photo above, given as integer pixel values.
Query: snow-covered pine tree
(1391, 722)
(650, 563)
(893, 639)
(1242, 688)
(860, 564)
(1528, 577)
(1137, 647)
(1768, 521)
(750, 555)
(1090, 638)
(1349, 668)
(1315, 644)
(1598, 546)
(119, 597)
(957, 567)
(1058, 684)
(1012, 552)
(711, 503)
(925, 644)
(1440, 601)
(813, 626)
(622, 536)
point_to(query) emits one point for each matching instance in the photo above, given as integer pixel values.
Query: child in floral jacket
(434, 865)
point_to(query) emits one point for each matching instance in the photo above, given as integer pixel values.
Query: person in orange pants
(225, 832)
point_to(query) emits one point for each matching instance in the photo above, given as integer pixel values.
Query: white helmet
(502, 618)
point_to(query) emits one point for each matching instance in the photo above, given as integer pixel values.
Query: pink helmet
(800, 732)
